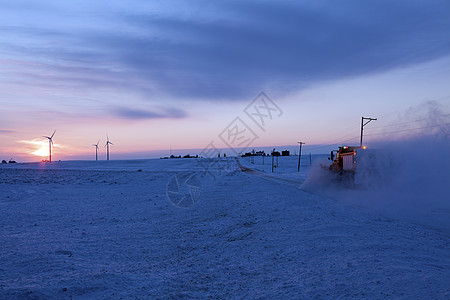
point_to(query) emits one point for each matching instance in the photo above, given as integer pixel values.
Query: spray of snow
(407, 178)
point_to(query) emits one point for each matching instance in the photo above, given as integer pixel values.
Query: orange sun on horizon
(38, 148)
(41, 151)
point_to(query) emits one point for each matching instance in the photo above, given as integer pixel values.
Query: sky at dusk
(154, 75)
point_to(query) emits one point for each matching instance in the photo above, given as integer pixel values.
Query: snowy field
(126, 229)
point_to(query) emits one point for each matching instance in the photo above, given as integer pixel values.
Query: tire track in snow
(292, 182)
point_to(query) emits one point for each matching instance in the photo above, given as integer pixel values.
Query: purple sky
(160, 74)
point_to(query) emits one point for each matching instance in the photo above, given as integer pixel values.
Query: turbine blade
(53, 133)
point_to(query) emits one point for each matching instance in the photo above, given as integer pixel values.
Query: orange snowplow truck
(344, 160)
(357, 165)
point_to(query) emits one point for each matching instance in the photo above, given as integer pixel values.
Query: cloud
(231, 50)
(6, 131)
(137, 114)
(284, 45)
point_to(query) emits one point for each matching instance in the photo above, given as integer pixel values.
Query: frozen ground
(106, 230)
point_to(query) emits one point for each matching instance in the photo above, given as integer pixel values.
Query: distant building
(285, 153)
(254, 153)
(276, 153)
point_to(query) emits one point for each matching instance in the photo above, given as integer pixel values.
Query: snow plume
(419, 173)
(319, 178)
(434, 116)
(430, 118)
(408, 178)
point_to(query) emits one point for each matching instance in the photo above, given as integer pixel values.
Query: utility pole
(364, 124)
(299, 155)
(272, 158)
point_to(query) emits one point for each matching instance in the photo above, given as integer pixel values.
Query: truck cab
(344, 160)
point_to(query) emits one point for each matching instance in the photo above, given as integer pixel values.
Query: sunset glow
(77, 69)
(38, 148)
(41, 151)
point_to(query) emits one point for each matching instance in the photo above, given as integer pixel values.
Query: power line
(340, 141)
(408, 122)
(353, 132)
(431, 126)
(336, 143)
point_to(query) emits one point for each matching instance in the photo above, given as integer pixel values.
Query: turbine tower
(107, 147)
(50, 144)
(96, 149)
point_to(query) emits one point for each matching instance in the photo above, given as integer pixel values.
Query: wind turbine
(50, 144)
(107, 147)
(96, 149)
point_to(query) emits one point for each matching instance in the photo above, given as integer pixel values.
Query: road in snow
(106, 230)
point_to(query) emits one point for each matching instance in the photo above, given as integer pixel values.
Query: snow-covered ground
(125, 229)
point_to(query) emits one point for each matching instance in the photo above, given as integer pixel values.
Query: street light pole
(362, 127)
(299, 155)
